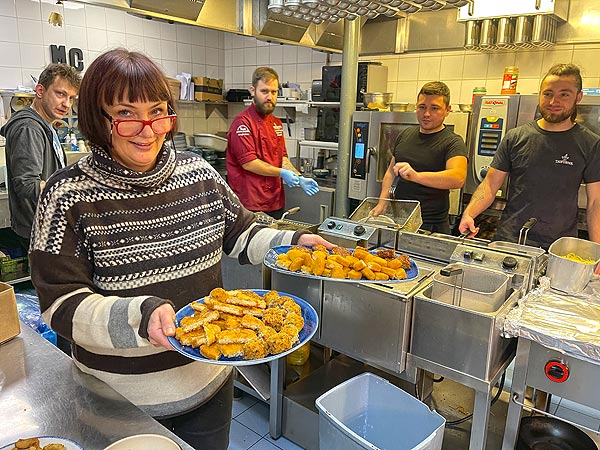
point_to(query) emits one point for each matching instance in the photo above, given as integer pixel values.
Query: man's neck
(38, 109)
(560, 126)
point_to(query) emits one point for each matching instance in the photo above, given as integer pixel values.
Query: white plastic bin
(368, 412)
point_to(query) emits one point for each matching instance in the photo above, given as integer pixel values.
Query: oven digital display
(359, 150)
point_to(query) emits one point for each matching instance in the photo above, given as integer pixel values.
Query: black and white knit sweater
(110, 245)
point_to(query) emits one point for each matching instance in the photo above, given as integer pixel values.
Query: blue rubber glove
(289, 177)
(309, 185)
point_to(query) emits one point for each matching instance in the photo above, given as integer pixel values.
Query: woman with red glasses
(132, 233)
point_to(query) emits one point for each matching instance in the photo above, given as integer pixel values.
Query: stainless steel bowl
(320, 173)
(377, 100)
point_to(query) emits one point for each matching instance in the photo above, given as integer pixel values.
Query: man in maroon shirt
(257, 161)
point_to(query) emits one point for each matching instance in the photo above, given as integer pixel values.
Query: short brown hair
(264, 73)
(59, 70)
(110, 77)
(436, 88)
(566, 70)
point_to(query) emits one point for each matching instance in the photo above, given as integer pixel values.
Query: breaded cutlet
(255, 349)
(274, 317)
(195, 322)
(295, 320)
(252, 322)
(194, 338)
(231, 350)
(236, 336)
(211, 331)
(210, 351)
(279, 342)
(292, 307)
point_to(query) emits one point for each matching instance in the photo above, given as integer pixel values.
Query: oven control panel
(491, 128)
(359, 162)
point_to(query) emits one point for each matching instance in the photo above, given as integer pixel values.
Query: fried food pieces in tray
(43, 443)
(244, 325)
(342, 263)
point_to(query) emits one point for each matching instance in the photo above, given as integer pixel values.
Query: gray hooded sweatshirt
(30, 158)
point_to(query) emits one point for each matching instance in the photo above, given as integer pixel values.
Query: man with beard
(257, 160)
(547, 160)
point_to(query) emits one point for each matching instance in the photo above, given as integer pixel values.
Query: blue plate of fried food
(342, 264)
(243, 327)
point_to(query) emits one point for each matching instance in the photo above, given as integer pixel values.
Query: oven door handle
(523, 405)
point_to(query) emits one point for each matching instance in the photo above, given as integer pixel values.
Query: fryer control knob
(483, 172)
(556, 371)
(509, 263)
(468, 255)
(359, 229)
(331, 224)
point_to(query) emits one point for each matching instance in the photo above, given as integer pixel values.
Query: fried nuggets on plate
(241, 323)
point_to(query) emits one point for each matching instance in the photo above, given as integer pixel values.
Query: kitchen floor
(250, 425)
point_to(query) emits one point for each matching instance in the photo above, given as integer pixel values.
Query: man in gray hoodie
(33, 150)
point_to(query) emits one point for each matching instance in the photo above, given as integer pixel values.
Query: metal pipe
(347, 108)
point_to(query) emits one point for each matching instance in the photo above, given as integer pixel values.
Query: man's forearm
(593, 221)
(261, 167)
(287, 164)
(445, 179)
(481, 199)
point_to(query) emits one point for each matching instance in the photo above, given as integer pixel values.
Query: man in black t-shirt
(547, 161)
(429, 160)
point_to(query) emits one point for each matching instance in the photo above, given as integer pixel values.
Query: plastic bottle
(299, 356)
(481, 90)
(509, 81)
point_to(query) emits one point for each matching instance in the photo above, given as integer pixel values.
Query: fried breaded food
(197, 306)
(194, 338)
(232, 350)
(54, 447)
(319, 248)
(274, 317)
(219, 294)
(292, 331)
(294, 319)
(26, 443)
(256, 312)
(242, 298)
(292, 307)
(249, 321)
(386, 253)
(210, 351)
(195, 322)
(211, 332)
(266, 331)
(340, 251)
(227, 308)
(272, 297)
(279, 342)
(255, 349)
(236, 336)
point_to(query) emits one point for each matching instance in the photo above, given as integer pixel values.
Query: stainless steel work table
(43, 393)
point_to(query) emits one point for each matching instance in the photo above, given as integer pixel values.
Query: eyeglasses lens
(131, 128)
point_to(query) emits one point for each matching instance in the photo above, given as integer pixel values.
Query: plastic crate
(368, 412)
(13, 268)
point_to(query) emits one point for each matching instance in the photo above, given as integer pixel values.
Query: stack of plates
(180, 141)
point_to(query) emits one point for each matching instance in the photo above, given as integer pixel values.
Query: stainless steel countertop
(43, 393)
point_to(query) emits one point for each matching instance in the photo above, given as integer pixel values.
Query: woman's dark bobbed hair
(112, 77)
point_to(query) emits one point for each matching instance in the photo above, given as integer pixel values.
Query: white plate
(144, 442)
(45, 440)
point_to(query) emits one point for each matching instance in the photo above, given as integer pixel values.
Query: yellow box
(175, 87)
(9, 316)
(208, 89)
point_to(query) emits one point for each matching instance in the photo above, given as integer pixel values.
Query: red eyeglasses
(133, 127)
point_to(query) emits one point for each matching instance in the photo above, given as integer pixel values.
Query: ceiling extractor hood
(183, 9)
(512, 24)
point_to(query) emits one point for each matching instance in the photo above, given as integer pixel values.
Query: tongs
(525, 229)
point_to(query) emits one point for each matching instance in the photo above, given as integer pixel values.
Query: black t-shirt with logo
(546, 169)
(427, 153)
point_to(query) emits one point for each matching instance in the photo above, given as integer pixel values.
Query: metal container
(566, 274)
(469, 287)
(377, 100)
(210, 141)
(310, 134)
(466, 341)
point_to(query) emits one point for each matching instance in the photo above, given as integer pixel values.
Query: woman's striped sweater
(110, 245)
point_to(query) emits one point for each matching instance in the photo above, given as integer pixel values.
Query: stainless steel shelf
(321, 144)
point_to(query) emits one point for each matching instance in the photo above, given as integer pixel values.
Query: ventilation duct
(512, 24)
(182, 9)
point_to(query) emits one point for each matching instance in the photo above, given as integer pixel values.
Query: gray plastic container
(368, 412)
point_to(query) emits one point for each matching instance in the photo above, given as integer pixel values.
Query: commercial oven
(373, 138)
(494, 115)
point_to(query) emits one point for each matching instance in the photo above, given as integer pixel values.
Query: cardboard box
(208, 89)
(9, 316)
(174, 87)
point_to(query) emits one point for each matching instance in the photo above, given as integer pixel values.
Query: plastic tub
(566, 274)
(368, 412)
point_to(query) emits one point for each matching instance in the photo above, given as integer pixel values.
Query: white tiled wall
(25, 36)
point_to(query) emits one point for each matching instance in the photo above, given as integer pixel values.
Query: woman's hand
(161, 325)
(308, 240)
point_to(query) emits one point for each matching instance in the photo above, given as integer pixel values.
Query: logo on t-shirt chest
(278, 129)
(564, 160)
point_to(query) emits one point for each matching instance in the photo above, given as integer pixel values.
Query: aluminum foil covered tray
(562, 322)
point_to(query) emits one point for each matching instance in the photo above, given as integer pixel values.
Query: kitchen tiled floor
(250, 425)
